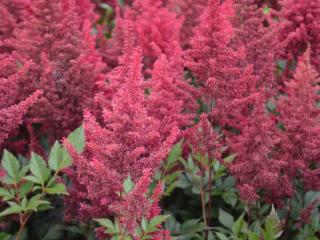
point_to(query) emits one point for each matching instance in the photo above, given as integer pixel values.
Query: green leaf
(238, 226)
(230, 158)
(54, 232)
(13, 209)
(35, 202)
(191, 226)
(225, 219)
(59, 158)
(11, 165)
(175, 153)
(253, 236)
(38, 168)
(108, 224)
(155, 221)
(144, 225)
(221, 236)
(272, 229)
(25, 189)
(266, 10)
(5, 236)
(128, 185)
(32, 179)
(59, 189)
(5, 194)
(77, 139)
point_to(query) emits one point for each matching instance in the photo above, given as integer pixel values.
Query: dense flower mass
(300, 117)
(128, 142)
(302, 28)
(11, 113)
(56, 40)
(212, 104)
(153, 25)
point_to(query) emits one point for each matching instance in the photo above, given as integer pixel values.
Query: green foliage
(128, 185)
(77, 139)
(27, 186)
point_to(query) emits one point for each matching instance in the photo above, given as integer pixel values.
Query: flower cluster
(127, 142)
(64, 64)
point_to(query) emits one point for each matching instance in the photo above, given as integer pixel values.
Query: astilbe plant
(301, 122)
(12, 13)
(209, 52)
(191, 16)
(226, 85)
(65, 65)
(257, 166)
(171, 99)
(153, 23)
(236, 102)
(302, 20)
(206, 148)
(261, 43)
(127, 142)
(11, 112)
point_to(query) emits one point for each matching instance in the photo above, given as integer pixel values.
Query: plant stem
(209, 209)
(22, 225)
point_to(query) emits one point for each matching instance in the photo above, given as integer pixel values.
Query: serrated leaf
(225, 219)
(32, 179)
(59, 158)
(107, 223)
(11, 165)
(272, 229)
(58, 189)
(13, 209)
(191, 226)
(230, 158)
(35, 202)
(38, 168)
(5, 194)
(77, 139)
(128, 185)
(25, 188)
(144, 225)
(155, 221)
(175, 153)
(238, 225)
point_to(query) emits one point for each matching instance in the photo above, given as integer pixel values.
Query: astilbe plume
(116, 77)
(261, 43)
(112, 49)
(86, 10)
(11, 114)
(237, 103)
(66, 66)
(153, 24)
(208, 45)
(301, 120)
(226, 85)
(12, 12)
(135, 205)
(191, 11)
(127, 142)
(302, 28)
(258, 167)
(171, 99)
(203, 139)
